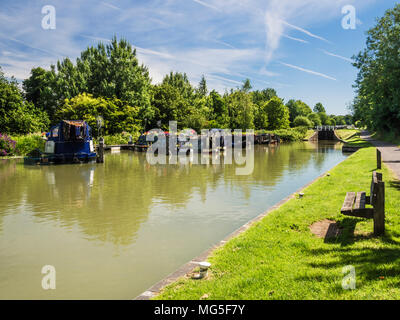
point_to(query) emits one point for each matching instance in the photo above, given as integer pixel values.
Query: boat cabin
(70, 141)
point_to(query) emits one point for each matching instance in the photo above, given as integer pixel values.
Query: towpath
(390, 152)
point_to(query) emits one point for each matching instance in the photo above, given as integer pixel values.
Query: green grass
(279, 258)
(353, 139)
(345, 134)
(309, 134)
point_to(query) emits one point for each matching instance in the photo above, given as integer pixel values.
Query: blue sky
(297, 47)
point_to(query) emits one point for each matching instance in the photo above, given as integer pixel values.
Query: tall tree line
(108, 81)
(377, 104)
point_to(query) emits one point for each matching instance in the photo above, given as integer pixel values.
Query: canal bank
(191, 267)
(280, 258)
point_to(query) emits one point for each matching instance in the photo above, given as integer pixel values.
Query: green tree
(196, 115)
(18, 116)
(377, 103)
(40, 89)
(260, 97)
(324, 118)
(202, 89)
(331, 122)
(169, 104)
(118, 116)
(297, 108)
(278, 114)
(349, 119)
(241, 110)
(315, 119)
(181, 82)
(246, 87)
(218, 110)
(340, 120)
(108, 71)
(318, 108)
(302, 121)
(260, 117)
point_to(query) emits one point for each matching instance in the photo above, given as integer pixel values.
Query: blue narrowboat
(70, 141)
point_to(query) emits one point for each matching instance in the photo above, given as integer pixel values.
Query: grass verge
(279, 257)
(353, 139)
(346, 134)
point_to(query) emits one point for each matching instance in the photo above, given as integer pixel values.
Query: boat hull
(47, 159)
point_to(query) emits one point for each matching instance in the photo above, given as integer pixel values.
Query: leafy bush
(27, 143)
(292, 134)
(7, 146)
(118, 116)
(315, 119)
(302, 121)
(119, 138)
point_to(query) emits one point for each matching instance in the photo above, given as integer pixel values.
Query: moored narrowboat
(70, 141)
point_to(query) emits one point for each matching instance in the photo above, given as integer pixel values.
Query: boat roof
(76, 123)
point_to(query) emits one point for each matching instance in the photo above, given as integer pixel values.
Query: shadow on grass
(394, 184)
(372, 265)
(370, 257)
(372, 262)
(346, 235)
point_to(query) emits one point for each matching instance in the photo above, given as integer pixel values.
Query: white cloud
(170, 34)
(308, 71)
(304, 31)
(336, 55)
(295, 39)
(111, 6)
(206, 4)
(198, 61)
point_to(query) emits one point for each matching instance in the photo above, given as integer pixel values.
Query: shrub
(314, 117)
(302, 121)
(119, 138)
(291, 134)
(7, 146)
(117, 115)
(27, 143)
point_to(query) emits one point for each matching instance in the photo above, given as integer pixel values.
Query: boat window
(54, 133)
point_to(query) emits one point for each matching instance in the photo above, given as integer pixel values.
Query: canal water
(112, 230)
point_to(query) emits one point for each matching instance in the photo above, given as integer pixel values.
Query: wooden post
(378, 159)
(379, 210)
(100, 151)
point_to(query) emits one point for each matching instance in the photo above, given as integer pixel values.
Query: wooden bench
(354, 204)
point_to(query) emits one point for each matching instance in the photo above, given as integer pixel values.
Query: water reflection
(110, 201)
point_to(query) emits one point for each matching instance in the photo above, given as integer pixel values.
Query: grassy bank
(346, 134)
(279, 257)
(352, 138)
